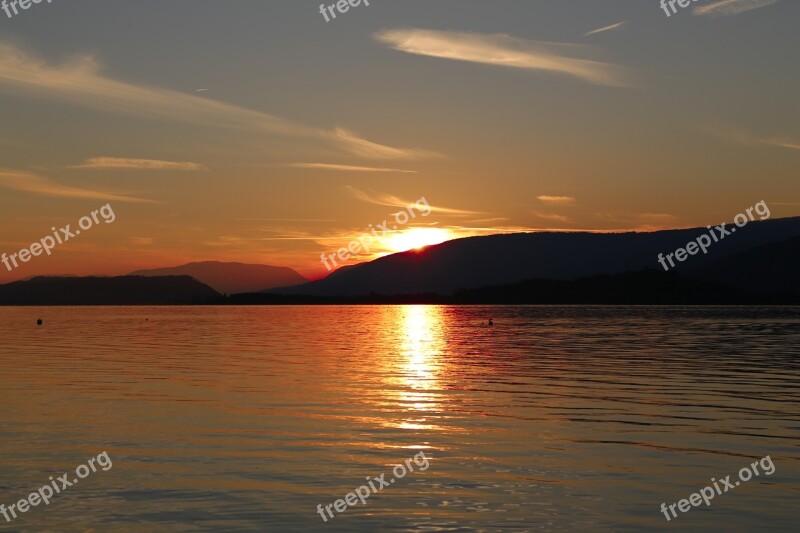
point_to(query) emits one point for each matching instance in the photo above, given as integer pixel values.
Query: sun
(416, 238)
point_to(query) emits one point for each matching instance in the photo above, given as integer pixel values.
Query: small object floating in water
(491, 321)
(39, 322)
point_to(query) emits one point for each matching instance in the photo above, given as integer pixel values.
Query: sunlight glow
(416, 238)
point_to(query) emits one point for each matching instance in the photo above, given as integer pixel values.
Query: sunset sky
(255, 131)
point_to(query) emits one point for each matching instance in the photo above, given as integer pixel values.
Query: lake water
(247, 418)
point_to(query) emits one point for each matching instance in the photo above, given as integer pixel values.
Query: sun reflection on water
(420, 365)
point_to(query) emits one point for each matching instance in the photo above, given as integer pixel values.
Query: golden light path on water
(412, 368)
(245, 419)
(421, 349)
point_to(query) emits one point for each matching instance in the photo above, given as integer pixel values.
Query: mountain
(122, 290)
(495, 260)
(647, 287)
(765, 270)
(232, 278)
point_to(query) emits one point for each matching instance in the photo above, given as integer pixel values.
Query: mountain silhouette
(232, 278)
(756, 265)
(496, 260)
(647, 287)
(122, 290)
(769, 269)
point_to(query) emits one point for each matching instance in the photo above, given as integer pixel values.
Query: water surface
(247, 418)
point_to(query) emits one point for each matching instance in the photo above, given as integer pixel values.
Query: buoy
(39, 322)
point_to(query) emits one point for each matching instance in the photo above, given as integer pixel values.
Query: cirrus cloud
(557, 200)
(138, 164)
(505, 51)
(347, 168)
(610, 27)
(80, 81)
(34, 184)
(393, 201)
(723, 8)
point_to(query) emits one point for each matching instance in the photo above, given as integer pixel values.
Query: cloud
(781, 143)
(287, 219)
(640, 221)
(139, 164)
(80, 82)
(606, 28)
(723, 8)
(657, 217)
(393, 201)
(370, 150)
(347, 168)
(31, 183)
(503, 50)
(487, 220)
(738, 135)
(551, 216)
(557, 200)
(226, 240)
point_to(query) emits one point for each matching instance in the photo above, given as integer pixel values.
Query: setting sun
(417, 238)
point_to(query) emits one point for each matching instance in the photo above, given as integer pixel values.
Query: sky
(255, 131)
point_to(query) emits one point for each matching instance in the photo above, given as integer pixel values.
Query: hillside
(123, 290)
(505, 259)
(232, 278)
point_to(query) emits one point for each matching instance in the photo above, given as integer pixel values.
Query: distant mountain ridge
(121, 290)
(231, 278)
(757, 265)
(498, 260)
(772, 268)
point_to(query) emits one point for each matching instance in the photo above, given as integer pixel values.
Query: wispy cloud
(657, 217)
(738, 135)
(347, 168)
(551, 216)
(723, 8)
(370, 150)
(487, 220)
(781, 143)
(287, 219)
(80, 82)
(640, 221)
(606, 28)
(393, 201)
(556, 200)
(138, 164)
(504, 50)
(31, 183)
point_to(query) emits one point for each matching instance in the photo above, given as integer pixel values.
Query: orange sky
(277, 137)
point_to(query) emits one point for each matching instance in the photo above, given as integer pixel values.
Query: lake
(248, 418)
